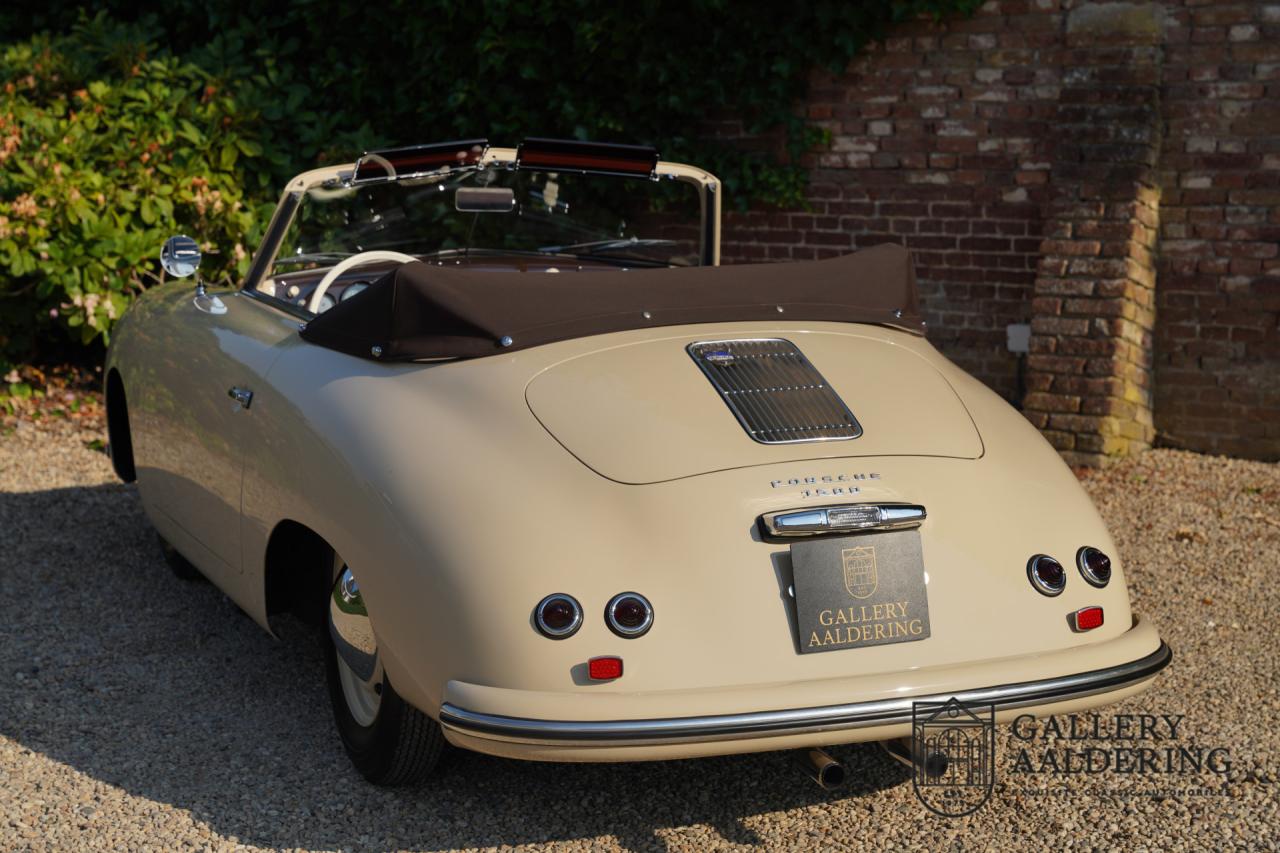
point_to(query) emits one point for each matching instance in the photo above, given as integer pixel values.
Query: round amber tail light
(1046, 574)
(1094, 565)
(629, 614)
(558, 616)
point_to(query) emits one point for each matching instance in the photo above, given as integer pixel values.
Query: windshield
(621, 220)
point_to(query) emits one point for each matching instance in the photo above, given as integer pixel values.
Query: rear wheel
(389, 741)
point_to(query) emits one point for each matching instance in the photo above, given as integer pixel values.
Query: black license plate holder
(857, 591)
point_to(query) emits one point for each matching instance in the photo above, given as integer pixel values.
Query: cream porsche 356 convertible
(558, 486)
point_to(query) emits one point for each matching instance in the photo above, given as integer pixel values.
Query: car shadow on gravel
(165, 690)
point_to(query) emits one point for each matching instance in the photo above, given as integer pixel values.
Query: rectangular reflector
(571, 155)
(1088, 618)
(604, 669)
(416, 159)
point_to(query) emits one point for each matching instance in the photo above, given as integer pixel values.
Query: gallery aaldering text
(1136, 743)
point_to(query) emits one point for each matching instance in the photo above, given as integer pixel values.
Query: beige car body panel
(637, 414)
(461, 493)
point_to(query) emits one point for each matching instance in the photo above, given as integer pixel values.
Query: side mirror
(484, 199)
(180, 256)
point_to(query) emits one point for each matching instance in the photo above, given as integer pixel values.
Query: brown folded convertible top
(424, 311)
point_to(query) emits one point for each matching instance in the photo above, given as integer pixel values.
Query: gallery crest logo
(860, 577)
(953, 751)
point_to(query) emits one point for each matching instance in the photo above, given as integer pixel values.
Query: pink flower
(25, 206)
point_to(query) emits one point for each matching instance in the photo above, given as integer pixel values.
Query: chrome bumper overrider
(800, 720)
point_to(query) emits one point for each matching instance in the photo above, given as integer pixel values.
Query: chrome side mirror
(180, 256)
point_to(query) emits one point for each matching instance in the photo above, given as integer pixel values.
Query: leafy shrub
(105, 150)
(109, 144)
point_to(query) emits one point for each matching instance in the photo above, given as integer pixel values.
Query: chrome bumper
(801, 720)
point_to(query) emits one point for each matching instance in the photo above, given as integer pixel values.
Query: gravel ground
(140, 712)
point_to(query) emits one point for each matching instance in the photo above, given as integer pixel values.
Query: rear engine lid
(666, 409)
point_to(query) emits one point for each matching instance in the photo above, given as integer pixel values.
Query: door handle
(243, 396)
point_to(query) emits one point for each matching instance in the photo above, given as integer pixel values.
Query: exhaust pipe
(901, 750)
(821, 767)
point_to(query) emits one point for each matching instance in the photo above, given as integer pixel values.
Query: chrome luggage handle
(843, 518)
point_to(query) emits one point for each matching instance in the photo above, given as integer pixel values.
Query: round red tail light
(1046, 574)
(629, 614)
(558, 616)
(1094, 565)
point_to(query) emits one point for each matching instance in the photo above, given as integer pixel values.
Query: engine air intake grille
(773, 390)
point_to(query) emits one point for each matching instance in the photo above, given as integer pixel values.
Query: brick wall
(938, 141)
(954, 139)
(1217, 348)
(1089, 372)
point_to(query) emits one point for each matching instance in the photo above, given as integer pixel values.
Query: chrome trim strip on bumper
(801, 720)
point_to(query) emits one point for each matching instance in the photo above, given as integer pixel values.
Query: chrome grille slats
(747, 386)
(767, 370)
(804, 393)
(774, 391)
(755, 379)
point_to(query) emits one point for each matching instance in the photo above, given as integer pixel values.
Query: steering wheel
(347, 263)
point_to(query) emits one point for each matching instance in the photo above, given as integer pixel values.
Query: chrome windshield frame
(707, 185)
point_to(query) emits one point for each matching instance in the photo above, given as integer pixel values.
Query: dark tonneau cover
(425, 311)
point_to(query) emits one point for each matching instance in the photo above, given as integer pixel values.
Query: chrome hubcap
(359, 669)
(364, 698)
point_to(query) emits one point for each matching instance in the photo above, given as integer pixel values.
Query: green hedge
(120, 128)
